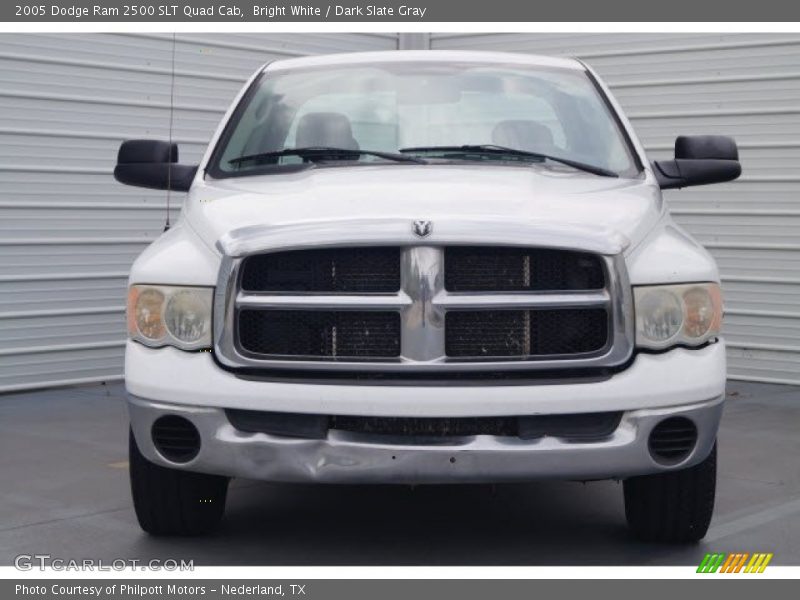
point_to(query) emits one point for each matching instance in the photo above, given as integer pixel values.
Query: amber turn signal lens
(703, 310)
(148, 314)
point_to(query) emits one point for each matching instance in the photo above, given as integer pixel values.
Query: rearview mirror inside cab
(699, 160)
(152, 164)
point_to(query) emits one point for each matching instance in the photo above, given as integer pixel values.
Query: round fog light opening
(672, 440)
(176, 438)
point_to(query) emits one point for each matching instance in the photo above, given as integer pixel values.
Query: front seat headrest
(325, 129)
(524, 135)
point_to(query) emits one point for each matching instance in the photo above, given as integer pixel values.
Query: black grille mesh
(427, 426)
(324, 270)
(520, 333)
(320, 334)
(584, 427)
(491, 269)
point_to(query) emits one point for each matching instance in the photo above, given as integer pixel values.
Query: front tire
(672, 507)
(171, 501)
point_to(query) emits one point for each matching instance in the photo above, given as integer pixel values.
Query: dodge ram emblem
(423, 228)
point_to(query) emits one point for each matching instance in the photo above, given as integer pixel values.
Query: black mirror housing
(701, 147)
(147, 151)
(699, 160)
(152, 164)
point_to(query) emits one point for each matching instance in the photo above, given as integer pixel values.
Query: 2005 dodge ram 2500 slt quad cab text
(425, 267)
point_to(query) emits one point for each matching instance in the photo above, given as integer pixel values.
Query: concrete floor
(65, 493)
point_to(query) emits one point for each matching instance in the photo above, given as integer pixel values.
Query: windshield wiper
(326, 152)
(503, 150)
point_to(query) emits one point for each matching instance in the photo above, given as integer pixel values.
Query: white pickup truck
(425, 267)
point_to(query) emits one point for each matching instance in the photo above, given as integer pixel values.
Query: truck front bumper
(344, 457)
(681, 382)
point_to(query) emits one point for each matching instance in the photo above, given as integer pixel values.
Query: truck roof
(355, 58)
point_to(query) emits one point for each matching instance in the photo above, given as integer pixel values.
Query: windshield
(421, 109)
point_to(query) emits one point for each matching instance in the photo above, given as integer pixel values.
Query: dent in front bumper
(348, 458)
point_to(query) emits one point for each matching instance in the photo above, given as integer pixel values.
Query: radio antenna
(171, 122)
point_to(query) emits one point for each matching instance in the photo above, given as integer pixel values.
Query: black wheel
(674, 506)
(171, 501)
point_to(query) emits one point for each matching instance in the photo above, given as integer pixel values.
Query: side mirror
(699, 160)
(152, 164)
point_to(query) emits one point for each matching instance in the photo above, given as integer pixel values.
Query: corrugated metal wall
(68, 232)
(745, 85)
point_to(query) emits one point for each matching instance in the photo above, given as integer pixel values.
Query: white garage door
(68, 232)
(747, 86)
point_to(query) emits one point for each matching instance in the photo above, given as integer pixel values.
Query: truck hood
(340, 203)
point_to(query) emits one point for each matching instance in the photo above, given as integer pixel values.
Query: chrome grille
(543, 309)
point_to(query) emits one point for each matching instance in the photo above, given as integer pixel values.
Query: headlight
(670, 315)
(162, 315)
